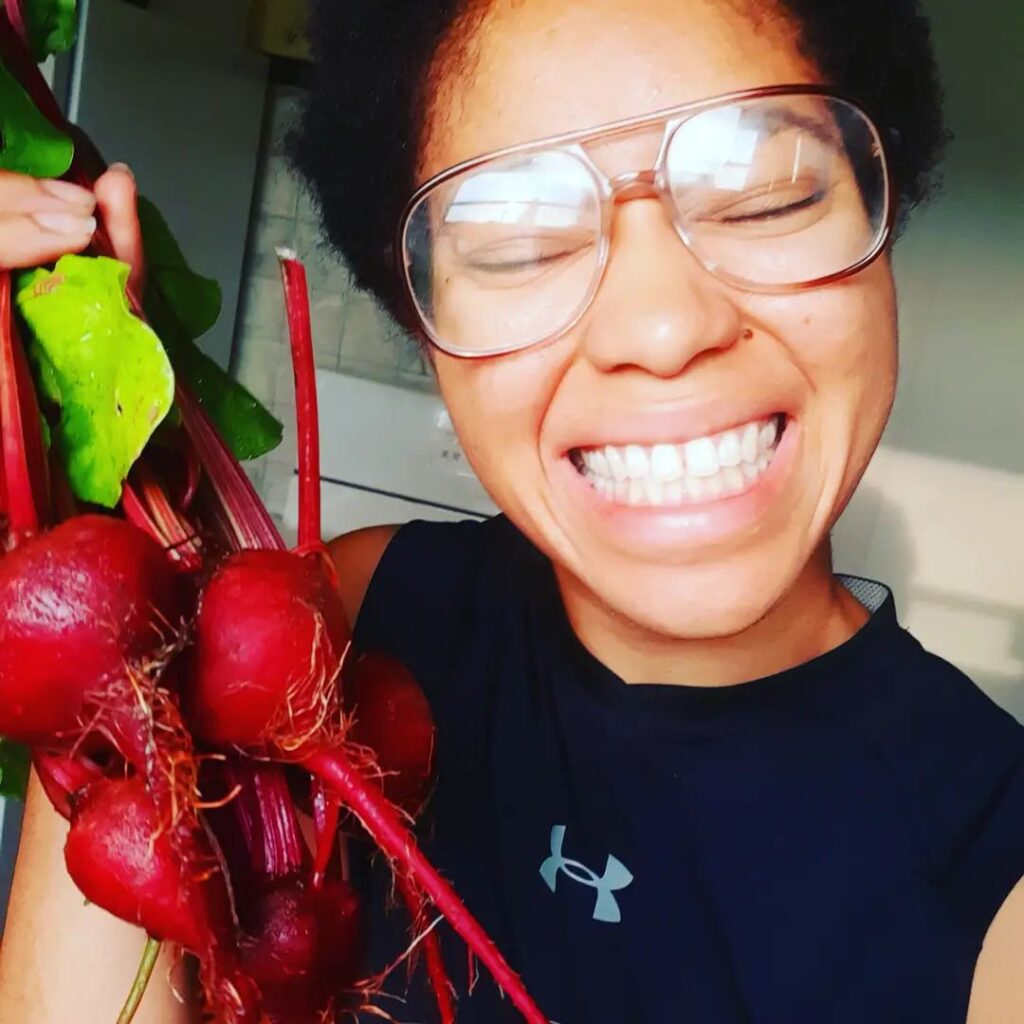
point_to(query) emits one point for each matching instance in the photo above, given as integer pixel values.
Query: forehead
(536, 68)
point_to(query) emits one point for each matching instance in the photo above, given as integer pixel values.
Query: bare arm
(997, 996)
(356, 556)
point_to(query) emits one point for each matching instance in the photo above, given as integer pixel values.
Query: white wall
(350, 332)
(940, 515)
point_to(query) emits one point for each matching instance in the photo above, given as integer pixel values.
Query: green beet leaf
(196, 300)
(51, 24)
(29, 144)
(14, 765)
(182, 306)
(104, 368)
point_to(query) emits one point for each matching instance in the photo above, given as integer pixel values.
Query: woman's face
(666, 354)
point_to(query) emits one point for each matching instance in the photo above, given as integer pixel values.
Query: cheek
(498, 408)
(843, 341)
(857, 363)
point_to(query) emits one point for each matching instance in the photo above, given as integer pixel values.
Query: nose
(657, 308)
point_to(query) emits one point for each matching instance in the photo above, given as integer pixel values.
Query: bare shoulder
(997, 996)
(356, 556)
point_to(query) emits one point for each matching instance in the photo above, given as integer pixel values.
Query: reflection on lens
(506, 251)
(779, 190)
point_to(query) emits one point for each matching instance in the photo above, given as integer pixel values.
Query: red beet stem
(146, 505)
(327, 810)
(20, 62)
(138, 515)
(270, 799)
(382, 823)
(193, 472)
(13, 8)
(436, 972)
(296, 294)
(235, 514)
(62, 777)
(19, 418)
(254, 821)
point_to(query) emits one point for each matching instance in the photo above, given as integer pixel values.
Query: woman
(684, 771)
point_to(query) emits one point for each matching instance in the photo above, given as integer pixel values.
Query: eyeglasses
(772, 190)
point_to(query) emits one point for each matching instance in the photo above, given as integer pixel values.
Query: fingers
(40, 220)
(117, 201)
(20, 193)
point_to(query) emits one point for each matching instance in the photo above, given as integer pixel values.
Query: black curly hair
(376, 64)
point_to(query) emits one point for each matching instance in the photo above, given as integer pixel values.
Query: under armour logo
(616, 876)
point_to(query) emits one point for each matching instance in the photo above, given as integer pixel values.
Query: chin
(697, 602)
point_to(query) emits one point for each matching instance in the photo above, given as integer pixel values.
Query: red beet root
(122, 859)
(269, 641)
(391, 717)
(303, 948)
(78, 607)
(119, 857)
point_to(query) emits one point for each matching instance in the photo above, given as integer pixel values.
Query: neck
(816, 615)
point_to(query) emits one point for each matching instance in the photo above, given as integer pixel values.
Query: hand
(41, 220)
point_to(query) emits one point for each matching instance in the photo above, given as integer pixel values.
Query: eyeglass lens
(772, 192)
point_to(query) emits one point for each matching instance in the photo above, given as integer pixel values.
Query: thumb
(116, 200)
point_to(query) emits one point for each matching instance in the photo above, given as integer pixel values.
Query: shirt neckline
(817, 678)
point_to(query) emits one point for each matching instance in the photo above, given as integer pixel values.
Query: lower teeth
(678, 492)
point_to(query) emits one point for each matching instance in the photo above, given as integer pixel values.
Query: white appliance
(387, 455)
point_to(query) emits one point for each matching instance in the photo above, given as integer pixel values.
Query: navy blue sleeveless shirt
(825, 846)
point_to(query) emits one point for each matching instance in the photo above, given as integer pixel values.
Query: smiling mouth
(701, 470)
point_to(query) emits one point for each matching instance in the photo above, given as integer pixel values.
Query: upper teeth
(720, 463)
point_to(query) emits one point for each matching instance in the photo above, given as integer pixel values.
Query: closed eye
(772, 211)
(518, 255)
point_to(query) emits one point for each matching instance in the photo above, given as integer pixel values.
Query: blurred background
(196, 96)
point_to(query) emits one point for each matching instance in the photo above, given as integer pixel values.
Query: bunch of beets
(190, 695)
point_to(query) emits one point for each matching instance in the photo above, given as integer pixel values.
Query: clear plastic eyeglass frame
(644, 183)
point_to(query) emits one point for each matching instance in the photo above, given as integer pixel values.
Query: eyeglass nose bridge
(634, 185)
(646, 184)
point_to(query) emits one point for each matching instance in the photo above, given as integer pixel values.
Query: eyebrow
(780, 117)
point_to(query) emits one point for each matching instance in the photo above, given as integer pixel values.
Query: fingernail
(67, 191)
(65, 223)
(118, 166)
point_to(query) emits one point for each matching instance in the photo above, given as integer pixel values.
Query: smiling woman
(648, 248)
(685, 771)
